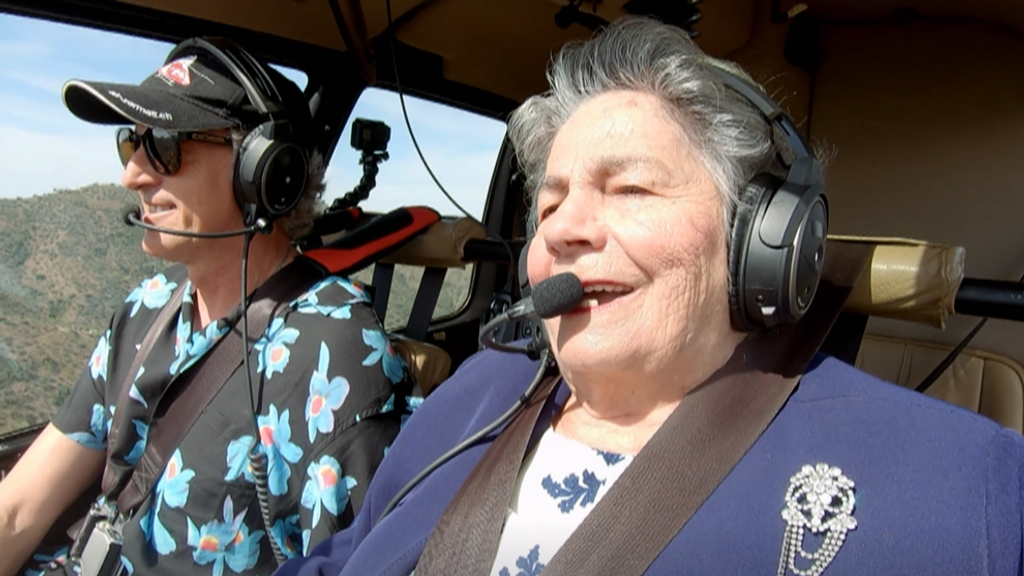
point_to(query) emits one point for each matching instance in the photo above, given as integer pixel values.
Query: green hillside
(66, 262)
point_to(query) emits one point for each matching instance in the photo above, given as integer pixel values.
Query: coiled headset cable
(257, 456)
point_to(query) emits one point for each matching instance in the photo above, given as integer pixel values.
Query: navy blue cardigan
(939, 490)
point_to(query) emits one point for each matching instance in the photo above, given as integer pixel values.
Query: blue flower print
(141, 430)
(285, 532)
(244, 551)
(275, 437)
(610, 458)
(309, 303)
(96, 437)
(571, 492)
(238, 459)
(306, 535)
(411, 404)
(326, 487)
(325, 396)
(133, 392)
(100, 354)
(528, 565)
(153, 293)
(272, 348)
(204, 340)
(356, 289)
(182, 335)
(172, 490)
(211, 541)
(110, 420)
(198, 343)
(58, 556)
(128, 566)
(383, 351)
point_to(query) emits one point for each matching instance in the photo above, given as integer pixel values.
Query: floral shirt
(330, 393)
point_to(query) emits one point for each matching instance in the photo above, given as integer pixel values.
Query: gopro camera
(370, 136)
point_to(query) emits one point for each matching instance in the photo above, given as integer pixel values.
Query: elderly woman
(644, 161)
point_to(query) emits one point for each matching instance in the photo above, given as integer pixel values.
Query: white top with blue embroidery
(559, 484)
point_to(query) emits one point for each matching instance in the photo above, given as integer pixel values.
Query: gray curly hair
(731, 137)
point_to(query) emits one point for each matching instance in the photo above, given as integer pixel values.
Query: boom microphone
(552, 297)
(132, 216)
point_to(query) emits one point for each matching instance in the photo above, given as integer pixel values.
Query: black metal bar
(1000, 299)
(487, 250)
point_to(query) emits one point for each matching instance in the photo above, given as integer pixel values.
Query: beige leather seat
(986, 383)
(917, 282)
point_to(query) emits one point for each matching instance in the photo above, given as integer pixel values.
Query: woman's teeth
(597, 294)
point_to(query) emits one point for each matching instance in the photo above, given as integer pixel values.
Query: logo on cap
(177, 72)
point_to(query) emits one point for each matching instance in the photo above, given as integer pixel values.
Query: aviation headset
(271, 166)
(778, 230)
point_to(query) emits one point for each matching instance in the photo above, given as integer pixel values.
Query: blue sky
(44, 147)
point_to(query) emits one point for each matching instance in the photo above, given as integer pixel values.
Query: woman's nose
(575, 225)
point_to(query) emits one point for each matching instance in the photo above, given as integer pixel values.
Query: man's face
(196, 198)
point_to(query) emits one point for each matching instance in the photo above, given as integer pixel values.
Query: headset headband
(246, 69)
(805, 169)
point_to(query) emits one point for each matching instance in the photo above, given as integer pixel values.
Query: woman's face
(627, 206)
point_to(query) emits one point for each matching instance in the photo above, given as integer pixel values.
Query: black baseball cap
(192, 92)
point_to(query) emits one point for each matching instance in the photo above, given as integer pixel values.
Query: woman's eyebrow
(607, 166)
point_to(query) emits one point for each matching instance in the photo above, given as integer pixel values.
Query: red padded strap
(374, 240)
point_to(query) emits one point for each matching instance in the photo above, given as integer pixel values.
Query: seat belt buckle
(97, 547)
(101, 555)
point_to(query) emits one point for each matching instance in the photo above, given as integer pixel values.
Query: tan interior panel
(303, 20)
(928, 131)
(499, 47)
(979, 381)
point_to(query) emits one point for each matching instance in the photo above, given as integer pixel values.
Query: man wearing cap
(324, 394)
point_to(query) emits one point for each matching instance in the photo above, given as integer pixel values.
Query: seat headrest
(906, 279)
(440, 246)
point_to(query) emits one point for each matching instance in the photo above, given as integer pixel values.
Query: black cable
(257, 458)
(245, 329)
(523, 399)
(948, 360)
(408, 125)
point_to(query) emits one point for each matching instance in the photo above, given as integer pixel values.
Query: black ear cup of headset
(271, 168)
(778, 231)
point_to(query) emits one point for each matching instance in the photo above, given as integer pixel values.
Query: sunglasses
(163, 147)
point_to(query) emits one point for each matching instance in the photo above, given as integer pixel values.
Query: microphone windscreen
(130, 210)
(557, 295)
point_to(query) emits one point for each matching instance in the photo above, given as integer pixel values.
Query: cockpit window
(461, 149)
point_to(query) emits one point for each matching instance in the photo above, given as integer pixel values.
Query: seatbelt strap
(194, 391)
(683, 463)
(466, 539)
(166, 316)
(426, 301)
(383, 273)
